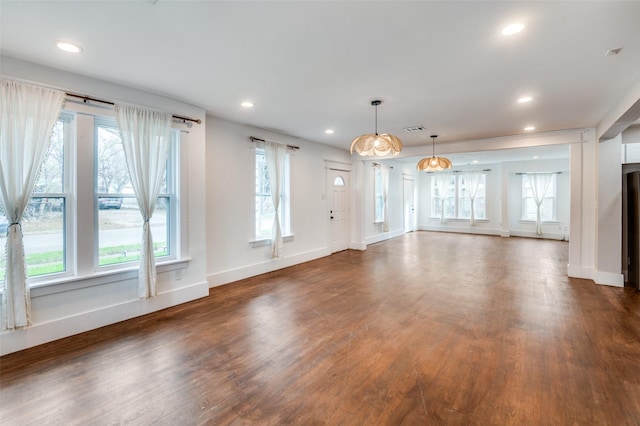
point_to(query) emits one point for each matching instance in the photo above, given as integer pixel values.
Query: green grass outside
(52, 262)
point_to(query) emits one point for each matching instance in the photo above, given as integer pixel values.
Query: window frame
(553, 198)
(285, 200)
(67, 194)
(456, 197)
(171, 188)
(80, 208)
(378, 196)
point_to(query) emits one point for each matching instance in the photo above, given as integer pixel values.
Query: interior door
(633, 228)
(409, 210)
(339, 213)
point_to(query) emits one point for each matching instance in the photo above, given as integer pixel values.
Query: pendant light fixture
(376, 144)
(433, 164)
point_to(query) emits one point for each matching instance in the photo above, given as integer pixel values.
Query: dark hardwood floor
(428, 328)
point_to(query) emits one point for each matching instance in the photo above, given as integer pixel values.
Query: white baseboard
(37, 334)
(242, 272)
(580, 272)
(384, 236)
(545, 235)
(357, 246)
(599, 277)
(461, 229)
(609, 278)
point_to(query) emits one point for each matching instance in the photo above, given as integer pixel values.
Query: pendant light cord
(376, 120)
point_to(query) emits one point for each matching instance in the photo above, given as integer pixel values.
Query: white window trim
(62, 285)
(377, 174)
(172, 193)
(523, 199)
(457, 206)
(287, 235)
(78, 273)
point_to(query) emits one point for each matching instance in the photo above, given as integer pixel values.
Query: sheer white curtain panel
(540, 183)
(472, 182)
(384, 174)
(443, 181)
(27, 116)
(275, 155)
(146, 136)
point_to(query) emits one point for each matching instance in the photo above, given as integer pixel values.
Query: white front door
(339, 209)
(409, 217)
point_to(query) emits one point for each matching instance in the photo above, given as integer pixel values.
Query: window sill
(64, 284)
(267, 241)
(547, 222)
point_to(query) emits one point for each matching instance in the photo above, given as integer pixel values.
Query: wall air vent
(414, 129)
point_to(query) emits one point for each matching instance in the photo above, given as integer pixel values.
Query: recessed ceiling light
(68, 47)
(535, 157)
(525, 99)
(513, 28)
(474, 162)
(329, 131)
(247, 104)
(529, 128)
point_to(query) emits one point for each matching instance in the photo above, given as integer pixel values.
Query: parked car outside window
(109, 203)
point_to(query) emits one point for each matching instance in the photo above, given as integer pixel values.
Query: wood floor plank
(428, 328)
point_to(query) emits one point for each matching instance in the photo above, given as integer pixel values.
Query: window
(378, 195)
(119, 224)
(548, 206)
(44, 219)
(70, 225)
(264, 212)
(458, 203)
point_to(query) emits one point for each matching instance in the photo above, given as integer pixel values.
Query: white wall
(91, 300)
(230, 202)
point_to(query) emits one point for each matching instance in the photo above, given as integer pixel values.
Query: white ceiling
(310, 66)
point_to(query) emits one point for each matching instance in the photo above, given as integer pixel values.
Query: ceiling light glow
(529, 128)
(247, 104)
(513, 28)
(525, 99)
(68, 47)
(329, 131)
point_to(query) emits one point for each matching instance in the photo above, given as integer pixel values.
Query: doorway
(631, 224)
(339, 208)
(409, 209)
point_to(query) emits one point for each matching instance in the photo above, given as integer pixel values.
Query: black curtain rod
(539, 173)
(462, 171)
(86, 99)
(378, 164)
(254, 139)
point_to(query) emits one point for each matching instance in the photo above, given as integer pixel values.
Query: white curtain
(27, 116)
(472, 182)
(384, 174)
(146, 136)
(443, 180)
(275, 155)
(539, 183)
